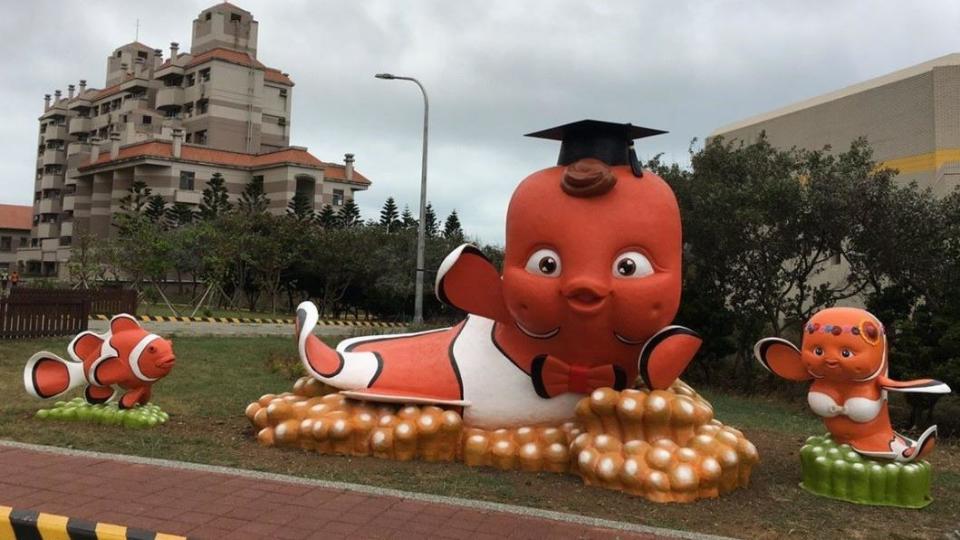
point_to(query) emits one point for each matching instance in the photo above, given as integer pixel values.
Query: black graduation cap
(609, 142)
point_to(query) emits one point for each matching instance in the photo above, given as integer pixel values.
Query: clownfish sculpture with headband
(845, 353)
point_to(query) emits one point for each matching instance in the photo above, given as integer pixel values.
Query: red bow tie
(552, 377)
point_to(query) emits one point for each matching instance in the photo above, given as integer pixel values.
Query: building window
(6, 243)
(190, 80)
(202, 106)
(66, 240)
(338, 197)
(186, 180)
(836, 258)
(200, 137)
(24, 240)
(205, 75)
(142, 54)
(234, 17)
(207, 16)
(147, 119)
(189, 138)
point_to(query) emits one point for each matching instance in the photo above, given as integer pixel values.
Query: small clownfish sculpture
(844, 352)
(126, 357)
(591, 283)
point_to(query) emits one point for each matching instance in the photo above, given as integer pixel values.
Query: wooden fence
(29, 313)
(39, 317)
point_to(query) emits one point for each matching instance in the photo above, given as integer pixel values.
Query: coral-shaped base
(662, 445)
(839, 472)
(139, 417)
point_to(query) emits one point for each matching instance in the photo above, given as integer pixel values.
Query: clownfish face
(157, 358)
(593, 276)
(843, 344)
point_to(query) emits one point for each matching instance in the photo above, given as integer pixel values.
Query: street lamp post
(421, 229)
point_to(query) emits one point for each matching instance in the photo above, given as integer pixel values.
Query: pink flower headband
(868, 330)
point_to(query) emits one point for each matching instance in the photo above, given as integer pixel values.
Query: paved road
(215, 502)
(245, 329)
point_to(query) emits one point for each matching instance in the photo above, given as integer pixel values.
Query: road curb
(373, 490)
(242, 320)
(24, 524)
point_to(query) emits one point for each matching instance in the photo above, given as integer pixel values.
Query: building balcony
(76, 147)
(50, 206)
(198, 91)
(101, 121)
(66, 228)
(48, 230)
(55, 133)
(185, 196)
(170, 97)
(69, 201)
(51, 181)
(134, 104)
(80, 125)
(53, 157)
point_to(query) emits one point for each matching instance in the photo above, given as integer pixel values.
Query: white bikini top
(858, 409)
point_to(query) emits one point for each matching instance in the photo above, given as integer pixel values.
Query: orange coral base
(663, 445)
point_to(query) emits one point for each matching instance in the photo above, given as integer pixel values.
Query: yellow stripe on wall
(924, 162)
(52, 527)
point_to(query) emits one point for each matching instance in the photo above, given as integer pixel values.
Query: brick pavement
(205, 504)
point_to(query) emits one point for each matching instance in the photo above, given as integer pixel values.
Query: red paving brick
(218, 505)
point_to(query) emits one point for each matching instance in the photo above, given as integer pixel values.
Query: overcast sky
(494, 71)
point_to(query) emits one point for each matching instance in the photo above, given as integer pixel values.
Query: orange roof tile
(238, 160)
(15, 216)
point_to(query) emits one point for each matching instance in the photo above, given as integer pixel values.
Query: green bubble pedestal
(836, 471)
(78, 410)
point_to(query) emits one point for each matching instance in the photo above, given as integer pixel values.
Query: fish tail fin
(347, 370)
(46, 375)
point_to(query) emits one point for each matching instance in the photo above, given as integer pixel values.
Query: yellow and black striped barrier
(33, 525)
(322, 322)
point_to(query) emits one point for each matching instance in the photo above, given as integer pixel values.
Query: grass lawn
(215, 378)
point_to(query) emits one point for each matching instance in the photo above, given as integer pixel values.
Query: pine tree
(389, 217)
(349, 214)
(300, 207)
(430, 222)
(407, 219)
(215, 198)
(136, 197)
(451, 227)
(156, 208)
(179, 214)
(327, 218)
(253, 200)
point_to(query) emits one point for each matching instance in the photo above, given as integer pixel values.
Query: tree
(327, 218)
(451, 227)
(407, 219)
(430, 222)
(300, 207)
(216, 200)
(253, 200)
(389, 216)
(349, 214)
(86, 265)
(179, 214)
(136, 198)
(156, 208)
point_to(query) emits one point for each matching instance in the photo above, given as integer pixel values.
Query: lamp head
(387, 76)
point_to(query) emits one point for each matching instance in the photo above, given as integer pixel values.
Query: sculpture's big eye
(846, 353)
(818, 351)
(151, 349)
(544, 262)
(632, 264)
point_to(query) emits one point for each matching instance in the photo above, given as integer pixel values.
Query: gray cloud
(494, 69)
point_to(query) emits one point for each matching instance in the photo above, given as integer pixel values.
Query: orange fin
(98, 394)
(108, 371)
(467, 280)
(386, 395)
(123, 322)
(916, 386)
(782, 358)
(85, 346)
(46, 375)
(666, 355)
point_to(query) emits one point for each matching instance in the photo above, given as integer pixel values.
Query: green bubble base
(836, 471)
(78, 410)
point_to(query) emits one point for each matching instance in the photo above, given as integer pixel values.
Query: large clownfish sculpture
(125, 358)
(590, 285)
(844, 352)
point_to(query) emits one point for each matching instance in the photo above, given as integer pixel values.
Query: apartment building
(911, 118)
(171, 122)
(15, 223)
